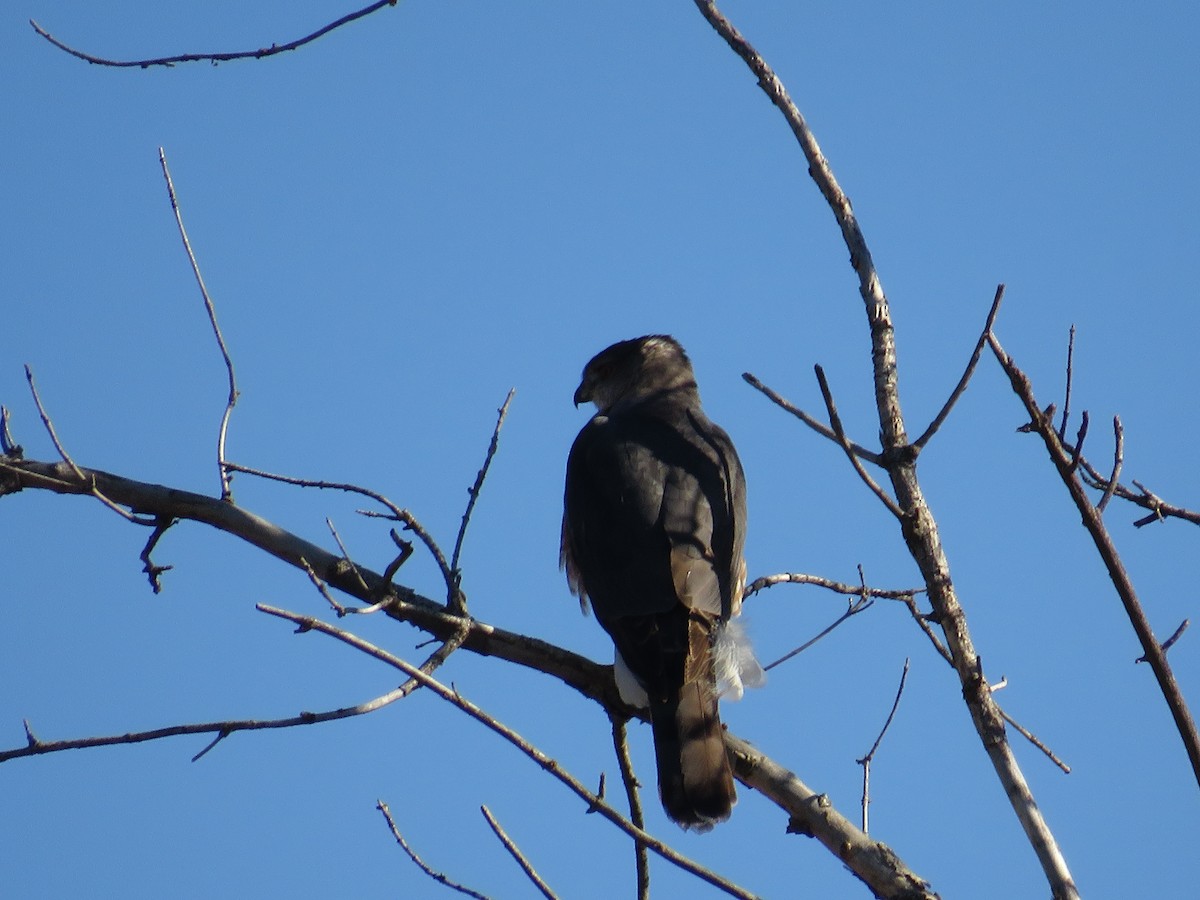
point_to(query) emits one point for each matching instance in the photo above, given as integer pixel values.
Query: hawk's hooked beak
(583, 393)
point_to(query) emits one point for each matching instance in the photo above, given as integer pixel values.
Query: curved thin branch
(169, 61)
(420, 863)
(223, 430)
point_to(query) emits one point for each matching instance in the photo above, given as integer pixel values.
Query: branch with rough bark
(809, 812)
(898, 457)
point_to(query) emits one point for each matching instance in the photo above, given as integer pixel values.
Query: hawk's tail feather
(695, 779)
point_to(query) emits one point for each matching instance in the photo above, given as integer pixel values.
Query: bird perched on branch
(654, 521)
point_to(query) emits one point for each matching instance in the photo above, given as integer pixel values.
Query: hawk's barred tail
(695, 779)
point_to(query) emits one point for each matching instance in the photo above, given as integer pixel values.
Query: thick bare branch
(877, 864)
(918, 526)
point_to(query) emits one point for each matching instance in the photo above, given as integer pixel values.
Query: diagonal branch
(918, 526)
(420, 863)
(474, 489)
(840, 435)
(961, 387)
(1062, 458)
(820, 428)
(453, 697)
(169, 61)
(515, 852)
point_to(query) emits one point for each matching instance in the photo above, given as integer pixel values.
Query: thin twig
(169, 61)
(395, 513)
(838, 587)
(865, 762)
(308, 623)
(1118, 460)
(961, 387)
(62, 451)
(1066, 410)
(1032, 738)
(338, 608)
(420, 863)
(636, 816)
(862, 604)
(1170, 642)
(337, 538)
(37, 747)
(840, 435)
(231, 401)
(515, 852)
(1077, 451)
(819, 427)
(148, 566)
(1160, 510)
(473, 490)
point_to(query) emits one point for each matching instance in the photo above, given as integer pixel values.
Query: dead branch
(515, 852)
(214, 58)
(594, 802)
(473, 490)
(918, 525)
(820, 428)
(629, 779)
(232, 399)
(420, 863)
(1063, 459)
(865, 762)
(961, 387)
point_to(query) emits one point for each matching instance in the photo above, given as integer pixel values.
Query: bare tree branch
(918, 526)
(595, 803)
(515, 852)
(1155, 654)
(839, 587)
(169, 61)
(819, 427)
(420, 863)
(865, 762)
(212, 320)
(961, 387)
(473, 491)
(629, 779)
(840, 434)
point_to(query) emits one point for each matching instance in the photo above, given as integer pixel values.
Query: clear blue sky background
(446, 200)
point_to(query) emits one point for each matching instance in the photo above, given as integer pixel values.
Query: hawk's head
(633, 370)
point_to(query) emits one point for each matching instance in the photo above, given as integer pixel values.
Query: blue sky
(407, 218)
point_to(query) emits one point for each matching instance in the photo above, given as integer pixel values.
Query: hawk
(654, 521)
